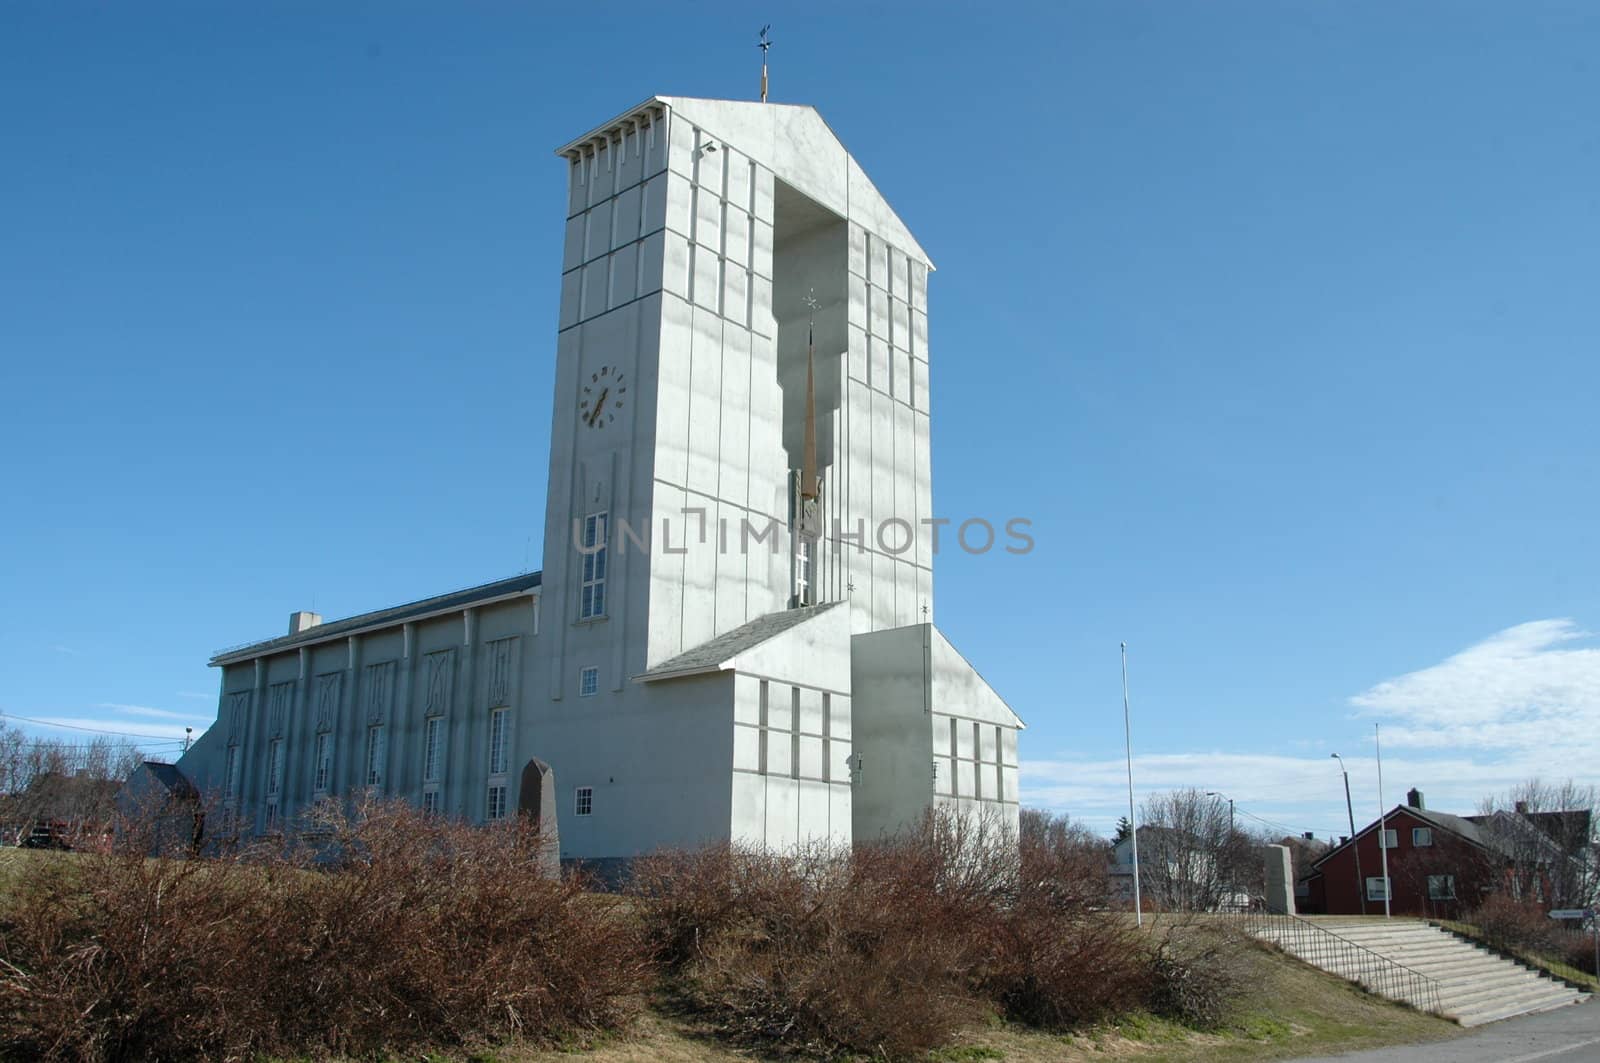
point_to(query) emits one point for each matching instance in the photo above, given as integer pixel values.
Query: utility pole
(1228, 849)
(1350, 810)
(1133, 818)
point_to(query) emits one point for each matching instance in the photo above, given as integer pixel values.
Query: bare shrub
(382, 931)
(1198, 975)
(1516, 925)
(873, 952)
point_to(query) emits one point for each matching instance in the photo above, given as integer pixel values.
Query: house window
(430, 802)
(593, 602)
(1441, 887)
(1377, 888)
(1421, 837)
(1389, 839)
(497, 803)
(583, 801)
(375, 755)
(589, 682)
(433, 736)
(497, 741)
(324, 762)
(274, 768)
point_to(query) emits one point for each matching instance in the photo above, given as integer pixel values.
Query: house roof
(1473, 830)
(397, 614)
(713, 655)
(168, 775)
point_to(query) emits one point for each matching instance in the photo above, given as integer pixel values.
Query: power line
(90, 730)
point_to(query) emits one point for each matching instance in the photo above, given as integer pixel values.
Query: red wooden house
(1440, 866)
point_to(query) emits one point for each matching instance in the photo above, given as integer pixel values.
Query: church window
(497, 803)
(583, 801)
(375, 755)
(274, 768)
(430, 802)
(593, 599)
(802, 573)
(433, 733)
(272, 815)
(324, 762)
(589, 682)
(497, 741)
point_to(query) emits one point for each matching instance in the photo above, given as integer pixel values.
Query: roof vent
(1414, 799)
(303, 621)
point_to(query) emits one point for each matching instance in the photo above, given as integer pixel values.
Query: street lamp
(1350, 809)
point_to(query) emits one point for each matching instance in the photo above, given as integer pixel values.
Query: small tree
(1546, 832)
(1190, 856)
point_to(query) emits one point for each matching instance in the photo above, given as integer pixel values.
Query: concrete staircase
(1470, 984)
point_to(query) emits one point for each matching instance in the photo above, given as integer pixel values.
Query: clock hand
(600, 404)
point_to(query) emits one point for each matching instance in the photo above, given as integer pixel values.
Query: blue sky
(1278, 320)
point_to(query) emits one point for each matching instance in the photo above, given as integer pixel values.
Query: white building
(742, 360)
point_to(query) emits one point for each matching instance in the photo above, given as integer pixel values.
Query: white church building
(732, 637)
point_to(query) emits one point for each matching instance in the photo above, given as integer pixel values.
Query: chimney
(1414, 799)
(1309, 836)
(303, 621)
(1343, 838)
(1522, 808)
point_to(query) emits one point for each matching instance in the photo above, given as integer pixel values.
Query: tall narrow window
(430, 802)
(375, 755)
(230, 772)
(802, 573)
(324, 762)
(497, 741)
(593, 601)
(432, 735)
(583, 801)
(589, 682)
(274, 768)
(497, 803)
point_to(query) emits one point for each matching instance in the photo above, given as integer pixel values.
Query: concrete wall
(892, 707)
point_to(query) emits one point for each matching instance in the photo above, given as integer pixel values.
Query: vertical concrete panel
(625, 275)
(923, 474)
(699, 569)
(705, 406)
(706, 278)
(597, 238)
(739, 192)
(572, 247)
(625, 222)
(666, 576)
(653, 204)
(749, 825)
(733, 471)
(673, 392)
(783, 812)
(736, 236)
(675, 265)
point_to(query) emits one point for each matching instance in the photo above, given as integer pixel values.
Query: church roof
(711, 656)
(441, 603)
(794, 141)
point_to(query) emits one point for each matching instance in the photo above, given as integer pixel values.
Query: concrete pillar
(1280, 879)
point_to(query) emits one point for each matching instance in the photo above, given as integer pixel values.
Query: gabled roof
(397, 614)
(1466, 829)
(724, 651)
(791, 140)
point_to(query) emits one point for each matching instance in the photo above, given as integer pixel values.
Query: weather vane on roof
(764, 43)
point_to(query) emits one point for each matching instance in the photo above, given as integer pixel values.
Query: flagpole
(1133, 818)
(1383, 836)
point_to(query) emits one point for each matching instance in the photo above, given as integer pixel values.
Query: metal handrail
(1321, 947)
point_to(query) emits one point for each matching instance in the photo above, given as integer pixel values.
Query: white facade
(687, 668)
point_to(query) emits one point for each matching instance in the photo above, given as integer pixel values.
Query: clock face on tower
(602, 397)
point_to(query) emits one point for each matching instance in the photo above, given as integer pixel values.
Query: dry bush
(1058, 958)
(391, 932)
(1198, 975)
(1516, 925)
(873, 952)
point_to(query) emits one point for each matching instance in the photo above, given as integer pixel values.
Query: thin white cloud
(196, 695)
(1521, 703)
(143, 710)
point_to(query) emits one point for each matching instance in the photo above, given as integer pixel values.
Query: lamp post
(1350, 810)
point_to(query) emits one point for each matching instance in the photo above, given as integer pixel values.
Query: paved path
(1565, 1035)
